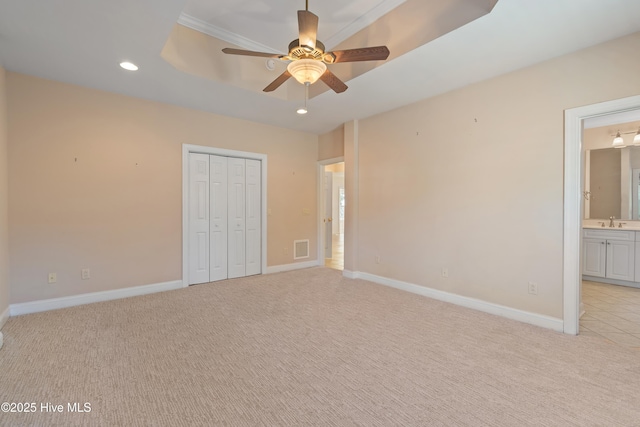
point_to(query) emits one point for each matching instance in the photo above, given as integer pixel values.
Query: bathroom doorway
(610, 295)
(574, 201)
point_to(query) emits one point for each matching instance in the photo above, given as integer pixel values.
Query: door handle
(330, 219)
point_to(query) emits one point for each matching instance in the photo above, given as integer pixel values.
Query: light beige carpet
(308, 348)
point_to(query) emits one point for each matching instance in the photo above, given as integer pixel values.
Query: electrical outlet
(377, 259)
(445, 272)
(86, 274)
(53, 278)
(533, 288)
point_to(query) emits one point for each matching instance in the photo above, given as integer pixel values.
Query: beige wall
(472, 180)
(331, 144)
(96, 182)
(4, 200)
(335, 167)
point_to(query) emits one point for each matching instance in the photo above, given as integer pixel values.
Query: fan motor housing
(296, 51)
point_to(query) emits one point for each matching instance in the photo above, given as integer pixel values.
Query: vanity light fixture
(618, 142)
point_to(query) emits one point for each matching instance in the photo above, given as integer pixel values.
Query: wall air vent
(300, 249)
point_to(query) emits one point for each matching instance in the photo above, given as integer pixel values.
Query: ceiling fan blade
(376, 53)
(277, 82)
(232, 51)
(333, 82)
(308, 28)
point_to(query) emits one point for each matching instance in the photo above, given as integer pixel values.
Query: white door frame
(573, 200)
(188, 148)
(321, 235)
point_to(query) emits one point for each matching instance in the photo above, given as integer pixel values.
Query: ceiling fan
(308, 58)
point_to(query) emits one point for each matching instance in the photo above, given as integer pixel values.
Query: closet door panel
(253, 218)
(198, 218)
(236, 215)
(218, 227)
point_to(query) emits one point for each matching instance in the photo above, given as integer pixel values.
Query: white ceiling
(82, 42)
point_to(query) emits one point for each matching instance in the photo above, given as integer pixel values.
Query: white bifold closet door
(224, 218)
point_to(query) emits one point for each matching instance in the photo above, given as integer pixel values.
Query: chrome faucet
(611, 224)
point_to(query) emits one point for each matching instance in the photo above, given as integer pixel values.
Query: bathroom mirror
(611, 175)
(612, 183)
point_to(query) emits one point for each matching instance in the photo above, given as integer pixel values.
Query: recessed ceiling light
(129, 66)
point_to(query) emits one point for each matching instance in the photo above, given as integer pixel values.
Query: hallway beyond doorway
(337, 253)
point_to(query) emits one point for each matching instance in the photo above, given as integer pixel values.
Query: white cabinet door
(594, 257)
(620, 260)
(218, 224)
(236, 212)
(253, 243)
(198, 218)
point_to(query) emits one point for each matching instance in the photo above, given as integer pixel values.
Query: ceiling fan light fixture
(618, 142)
(307, 70)
(308, 57)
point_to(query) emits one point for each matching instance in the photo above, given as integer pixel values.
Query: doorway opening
(332, 208)
(574, 201)
(610, 298)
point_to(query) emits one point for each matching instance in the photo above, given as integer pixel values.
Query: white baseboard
(611, 281)
(476, 304)
(71, 301)
(290, 267)
(4, 316)
(349, 274)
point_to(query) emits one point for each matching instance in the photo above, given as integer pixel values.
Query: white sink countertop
(626, 225)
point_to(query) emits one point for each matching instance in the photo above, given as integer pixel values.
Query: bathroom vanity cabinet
(611, 254)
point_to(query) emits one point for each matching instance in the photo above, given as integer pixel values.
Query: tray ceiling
(82, 43)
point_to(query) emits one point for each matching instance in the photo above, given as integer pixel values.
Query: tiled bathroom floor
(611, 312)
